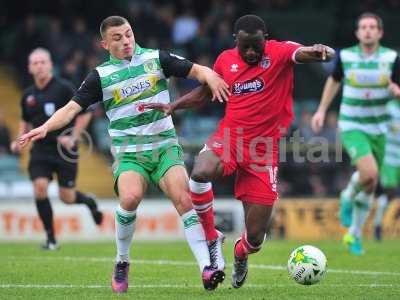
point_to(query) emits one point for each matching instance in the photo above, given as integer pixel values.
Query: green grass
(83, 271)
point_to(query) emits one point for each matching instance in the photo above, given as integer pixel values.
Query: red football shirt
(261, 101)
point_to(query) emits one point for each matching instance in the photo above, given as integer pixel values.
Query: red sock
(203, 204)
(243, 248)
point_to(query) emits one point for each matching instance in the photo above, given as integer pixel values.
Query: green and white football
(307, 265)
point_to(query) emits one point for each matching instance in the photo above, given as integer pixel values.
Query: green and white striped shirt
(365, 92)
(392, 145)
(124, 86)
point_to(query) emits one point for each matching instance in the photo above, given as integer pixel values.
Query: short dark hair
(250, 24)
(111, 21)
(370, 15)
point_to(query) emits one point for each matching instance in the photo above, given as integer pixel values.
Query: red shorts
(255, 163)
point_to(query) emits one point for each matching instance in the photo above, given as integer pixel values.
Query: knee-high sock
(243, 248)
(353, 187)
(203, 198)
(380, 209)
(124, 227)
(361, 207)
(194, 234)
(46, 216)
(82, 198)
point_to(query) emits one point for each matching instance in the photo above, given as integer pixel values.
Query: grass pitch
(161, 270)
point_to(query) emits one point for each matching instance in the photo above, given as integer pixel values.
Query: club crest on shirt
(150, 66)
(248, 86)
(49, 108)
(265, 62)
(30, 100)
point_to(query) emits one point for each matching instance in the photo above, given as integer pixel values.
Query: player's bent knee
(40, 191)
(130, 200)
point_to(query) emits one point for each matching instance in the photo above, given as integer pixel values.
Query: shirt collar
(365, 56)
(116, 61)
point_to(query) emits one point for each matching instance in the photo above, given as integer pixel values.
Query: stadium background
(198, 30)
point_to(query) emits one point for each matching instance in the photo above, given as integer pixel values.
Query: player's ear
(380, 33)
(235, 37)
(356, 33)
(29, 68)
(104, 44)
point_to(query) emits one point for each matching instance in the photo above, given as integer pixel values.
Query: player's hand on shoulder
(219, 88)
(317, 121)
(33, 135)
(316, 52)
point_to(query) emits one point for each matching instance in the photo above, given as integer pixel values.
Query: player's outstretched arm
(219, 88)
(330, 90)
(61, 118)
(24, 127)
(194, 98)
(315, 53)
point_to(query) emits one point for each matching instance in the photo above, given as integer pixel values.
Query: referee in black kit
(58, 152)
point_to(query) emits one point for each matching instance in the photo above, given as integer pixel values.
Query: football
(307, 265)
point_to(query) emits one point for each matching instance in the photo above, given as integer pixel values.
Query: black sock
(46, 215)
(82, 198)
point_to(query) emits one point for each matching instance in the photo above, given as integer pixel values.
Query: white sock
(382, 203)
(196, 239)
(361, 206)
(124, 227)
(353, 187)
(199, 187)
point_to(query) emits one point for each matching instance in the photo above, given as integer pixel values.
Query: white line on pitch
(189, 263)
(177, 286)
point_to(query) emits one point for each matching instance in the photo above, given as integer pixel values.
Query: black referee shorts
(45, 163)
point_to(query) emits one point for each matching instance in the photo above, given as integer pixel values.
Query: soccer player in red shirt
(257, 114)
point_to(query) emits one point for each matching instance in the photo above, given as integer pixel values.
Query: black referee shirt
(38, 105)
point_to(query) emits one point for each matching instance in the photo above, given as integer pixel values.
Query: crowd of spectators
(198, 31)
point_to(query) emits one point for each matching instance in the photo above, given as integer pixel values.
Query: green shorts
(152, 164)
(390, 176)
(359, 144)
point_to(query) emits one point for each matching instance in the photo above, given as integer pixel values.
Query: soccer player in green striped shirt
(366, 70)
(144, 141)
(390, 172)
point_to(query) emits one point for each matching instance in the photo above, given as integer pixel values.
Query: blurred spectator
(201, 45)
(200, 33)
(28, 37)
(80, 37)
(4, 136)
(305, 126)
(58, 44)
(73, 68)
(223, 39)
(185, 28)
